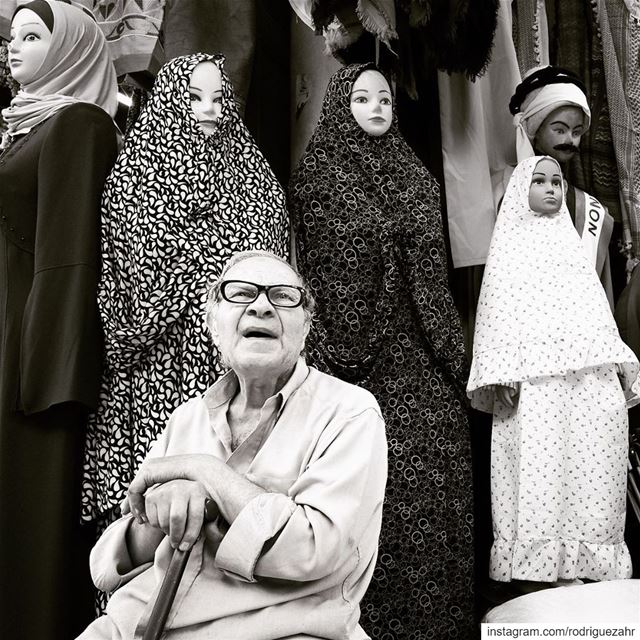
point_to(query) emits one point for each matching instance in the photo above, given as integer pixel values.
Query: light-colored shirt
(297, 560)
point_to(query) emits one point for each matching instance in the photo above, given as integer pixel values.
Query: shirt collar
(225, 388)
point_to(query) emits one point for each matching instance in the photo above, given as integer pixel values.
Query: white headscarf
(542, 310)
(77, 68)
(538, 104)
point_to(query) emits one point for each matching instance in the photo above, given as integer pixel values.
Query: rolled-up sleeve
(310, 532)
(110, 562)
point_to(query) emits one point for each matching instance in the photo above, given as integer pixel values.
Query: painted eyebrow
(578, 126)
(27, 24)
(367, 91)
(191, 86)
(544, 175)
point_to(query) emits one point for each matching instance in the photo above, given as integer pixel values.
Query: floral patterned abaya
(176, 206)
(370, 244)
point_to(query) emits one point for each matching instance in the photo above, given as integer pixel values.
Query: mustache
(566, 147)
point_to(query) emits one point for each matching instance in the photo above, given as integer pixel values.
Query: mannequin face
(560, 133)
(205, 92)
(545, 193)
(372, 103)
(28, 47)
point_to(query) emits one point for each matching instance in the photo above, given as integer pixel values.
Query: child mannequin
(546, 362)
(189, 189)
(60, 146)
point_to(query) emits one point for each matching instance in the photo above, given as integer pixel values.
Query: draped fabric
(454, 36)
(370, 244)
(575, 43)
(558, 471)
(478, 142)
(132, 29)
(542, 310)
(620, 32)
(51, 180)
(343, 21)
(530, 34)
(421, 35)
(176, 206)
(76, 68)
(228, 27)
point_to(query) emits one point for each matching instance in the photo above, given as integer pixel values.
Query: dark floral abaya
(370, 244)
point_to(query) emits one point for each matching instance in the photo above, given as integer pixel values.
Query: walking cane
(169, 587)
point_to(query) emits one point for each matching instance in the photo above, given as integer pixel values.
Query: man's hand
(158, 471)
(177, 508)
(229, 490)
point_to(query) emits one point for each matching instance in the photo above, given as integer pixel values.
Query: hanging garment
(478, 142)
(575, 43)
(342, 22)
(620, 31)
(370, 244)
(215, 26)
(530, 34)
(176, 206)
(132, 29)
(559, 456)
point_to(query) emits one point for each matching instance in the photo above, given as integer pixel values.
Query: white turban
(538, 104)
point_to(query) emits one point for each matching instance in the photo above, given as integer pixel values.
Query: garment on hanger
(478, 142)
(620, 32)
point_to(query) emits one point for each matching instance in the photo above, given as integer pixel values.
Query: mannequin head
(29, 45)
(372, 102)
(545, 192)
(560, 133)
(205, 93)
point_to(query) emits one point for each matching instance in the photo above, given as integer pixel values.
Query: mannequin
(369, 242)
(189, 188)
(60, 146)
(548, 363)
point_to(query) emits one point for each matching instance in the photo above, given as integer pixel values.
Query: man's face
(560, 133)
(259, 338)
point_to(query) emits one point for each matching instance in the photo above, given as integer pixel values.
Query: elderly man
(294, 459)
(551, 114)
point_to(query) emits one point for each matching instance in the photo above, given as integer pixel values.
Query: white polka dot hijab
(77, 68)
(542, 310)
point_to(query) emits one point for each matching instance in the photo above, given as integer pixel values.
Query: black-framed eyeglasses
(279, 295)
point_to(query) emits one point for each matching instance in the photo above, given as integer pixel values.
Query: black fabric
(369, 242)
(50, 358)
(42, 9)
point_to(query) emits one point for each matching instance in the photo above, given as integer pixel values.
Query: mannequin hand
(507, 394)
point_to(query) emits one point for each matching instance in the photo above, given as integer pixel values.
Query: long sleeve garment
(298, 558)
(51, 181)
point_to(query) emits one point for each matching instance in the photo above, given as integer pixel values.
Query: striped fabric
(619, 22)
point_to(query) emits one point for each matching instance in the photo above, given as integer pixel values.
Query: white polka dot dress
(558, 469)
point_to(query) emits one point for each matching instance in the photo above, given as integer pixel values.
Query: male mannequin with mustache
(551, 114)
